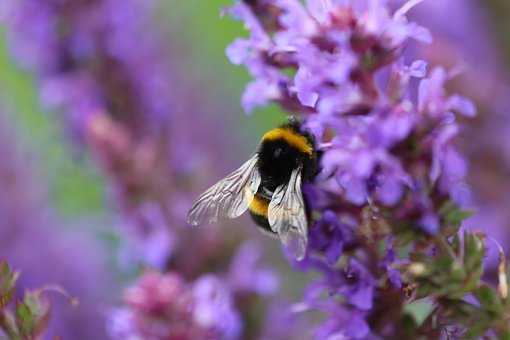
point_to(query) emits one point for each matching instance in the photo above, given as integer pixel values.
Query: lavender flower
(248, 274)
(155, 294)
(214, 307)
(387, 128)
(165, 306)
(367, 118)
(469, 43)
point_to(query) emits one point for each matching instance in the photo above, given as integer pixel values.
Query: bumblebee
(269, 185)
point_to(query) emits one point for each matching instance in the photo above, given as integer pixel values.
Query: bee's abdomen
(258, 211)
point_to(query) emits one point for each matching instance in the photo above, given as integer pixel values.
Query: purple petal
(238, 51)
(259, 93)
(430, 223)
(462, 105)
(418, 69)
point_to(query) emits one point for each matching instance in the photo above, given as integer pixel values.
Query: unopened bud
(417, 268)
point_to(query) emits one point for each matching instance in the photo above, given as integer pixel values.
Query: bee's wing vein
(287, 216)
(230, 197)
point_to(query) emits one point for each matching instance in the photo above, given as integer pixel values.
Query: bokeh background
(59, 219)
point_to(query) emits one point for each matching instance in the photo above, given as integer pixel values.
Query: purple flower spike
(166, 307)
(386, 128)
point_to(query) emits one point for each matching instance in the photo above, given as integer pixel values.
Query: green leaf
(474, 252)
(8, 280)
(476, 331)
(419, 310)
(32, 314)
(453, 214)
(457, 216)
(457, 272)
(489, 300)
(8, 326)
(505, 335)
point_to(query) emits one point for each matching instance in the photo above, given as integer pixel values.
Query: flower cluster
(468, 42)
(392, 180)
(165, 306)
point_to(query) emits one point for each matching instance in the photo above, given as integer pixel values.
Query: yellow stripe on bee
(291, 137)
(259, 206)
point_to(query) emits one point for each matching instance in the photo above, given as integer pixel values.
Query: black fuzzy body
(277, 158)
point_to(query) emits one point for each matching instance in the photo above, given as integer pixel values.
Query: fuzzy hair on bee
(269, 185)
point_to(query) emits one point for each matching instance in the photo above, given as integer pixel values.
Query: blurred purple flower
(467, 40)
(277, 320)
(165, 306)
(214, 307)
(158, 307)
(150, 238)
(34, 241)
(246, 274)
(343, 324)
(124, 94)
(108, 69)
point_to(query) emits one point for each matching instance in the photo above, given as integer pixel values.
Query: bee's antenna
(293, 119)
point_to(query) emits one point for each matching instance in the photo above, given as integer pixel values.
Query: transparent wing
(287, 216)
(230, 197)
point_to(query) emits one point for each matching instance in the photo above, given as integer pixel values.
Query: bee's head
(278, 152)
(294, 122)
